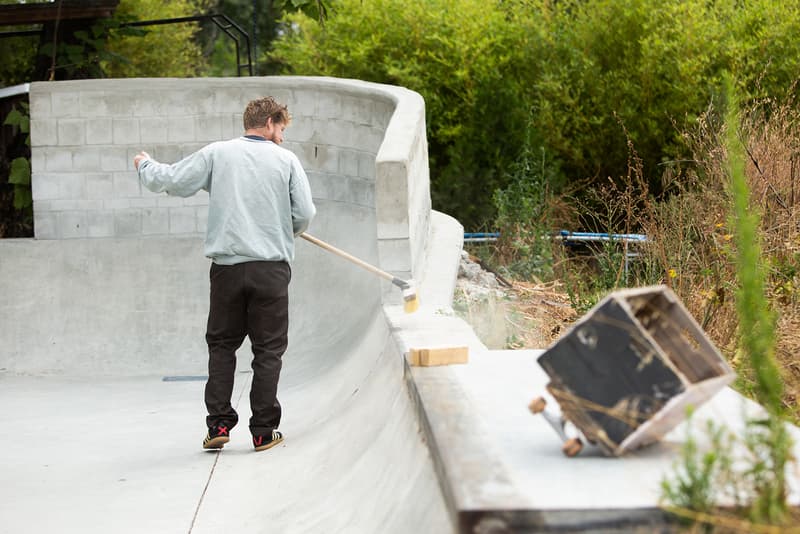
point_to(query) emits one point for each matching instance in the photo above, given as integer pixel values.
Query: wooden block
(426, 357)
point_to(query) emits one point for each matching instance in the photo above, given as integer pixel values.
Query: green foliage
(758, 483)
(699, 472)
(757, 332)
(756, 320)
(19, 174)
(523, 209)
(17, 57)
(155, 51)
(462, 56)
(583, 77)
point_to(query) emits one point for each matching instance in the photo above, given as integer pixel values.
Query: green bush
(462, 56)
(577, 79)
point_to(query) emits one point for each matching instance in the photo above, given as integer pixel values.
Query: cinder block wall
(361, 143)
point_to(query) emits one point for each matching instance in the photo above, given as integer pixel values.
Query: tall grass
(756, 477)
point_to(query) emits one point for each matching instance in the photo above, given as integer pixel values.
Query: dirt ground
(509, 314)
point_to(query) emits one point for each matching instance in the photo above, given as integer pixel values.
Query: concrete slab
(504, 466)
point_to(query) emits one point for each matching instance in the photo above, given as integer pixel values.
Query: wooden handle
(347, 256)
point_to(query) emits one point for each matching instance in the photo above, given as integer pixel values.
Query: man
(259, 200)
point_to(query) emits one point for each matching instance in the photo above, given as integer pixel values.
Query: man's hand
(141, 156)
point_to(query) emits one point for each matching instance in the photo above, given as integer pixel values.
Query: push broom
(410, 300)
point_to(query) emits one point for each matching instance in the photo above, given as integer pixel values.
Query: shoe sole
(269, 445)
(216, 443)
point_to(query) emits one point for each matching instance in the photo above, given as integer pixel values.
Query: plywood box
(625, 373)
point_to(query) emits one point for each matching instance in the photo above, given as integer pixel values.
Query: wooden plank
(426, 357)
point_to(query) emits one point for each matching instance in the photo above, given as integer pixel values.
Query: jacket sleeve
(183, 179)
(303, 209)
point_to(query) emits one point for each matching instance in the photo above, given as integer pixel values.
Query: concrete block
(38, 161)
(366, 165)
(99, 131)
(182, 220)
(328, 105)
(44, 186)
(57, 159)
(117, 204)
(348, 162)
(198, 199)
(125, 131)
(72, 224)
(71, 132)
(230, 100)
(100, 223)
(114, 103)
(180, 129)
(127, 222)
(201, 215)
(340, 133)
(363, 192)
(231, 126)
(155, 221)
(146, 202)
(155, 105)
(65, 104)
(126, 185)
(87, 158)
(99, 186)
(115, 158)
(44, 132)
(395, 255)
(45, 224)
(72, 185)
(188, 149)
(208, 128)
(166, 201)
(153, 129)
(321, 184)
(324, 158)
(40, 103)
(367, 138)
(391, 199)
(359, 110)
(163, 153)
(427, 357)
(93, 104)
(75, 205)
(301, 130)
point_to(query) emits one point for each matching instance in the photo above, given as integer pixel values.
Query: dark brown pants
(247, 299)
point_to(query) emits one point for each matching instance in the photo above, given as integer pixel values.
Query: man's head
(268, 117)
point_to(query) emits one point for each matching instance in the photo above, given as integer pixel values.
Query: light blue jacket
(259, 197)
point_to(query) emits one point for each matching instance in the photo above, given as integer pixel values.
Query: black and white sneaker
(266, 441)
(217, 437)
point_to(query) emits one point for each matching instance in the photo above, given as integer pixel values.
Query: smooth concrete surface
(120, 450)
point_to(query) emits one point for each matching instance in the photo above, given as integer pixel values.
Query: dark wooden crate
(625, 373)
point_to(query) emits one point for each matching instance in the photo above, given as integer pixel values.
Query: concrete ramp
(108, 431)
(102, 321)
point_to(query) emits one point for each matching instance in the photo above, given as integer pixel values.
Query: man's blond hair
(258, 111)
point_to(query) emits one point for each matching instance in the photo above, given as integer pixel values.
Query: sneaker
(217, 437)
(264, 442)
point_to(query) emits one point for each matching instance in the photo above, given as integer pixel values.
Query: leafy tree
(460, 55)
(163, 50)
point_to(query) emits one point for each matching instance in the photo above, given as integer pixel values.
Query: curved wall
(115, 281)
